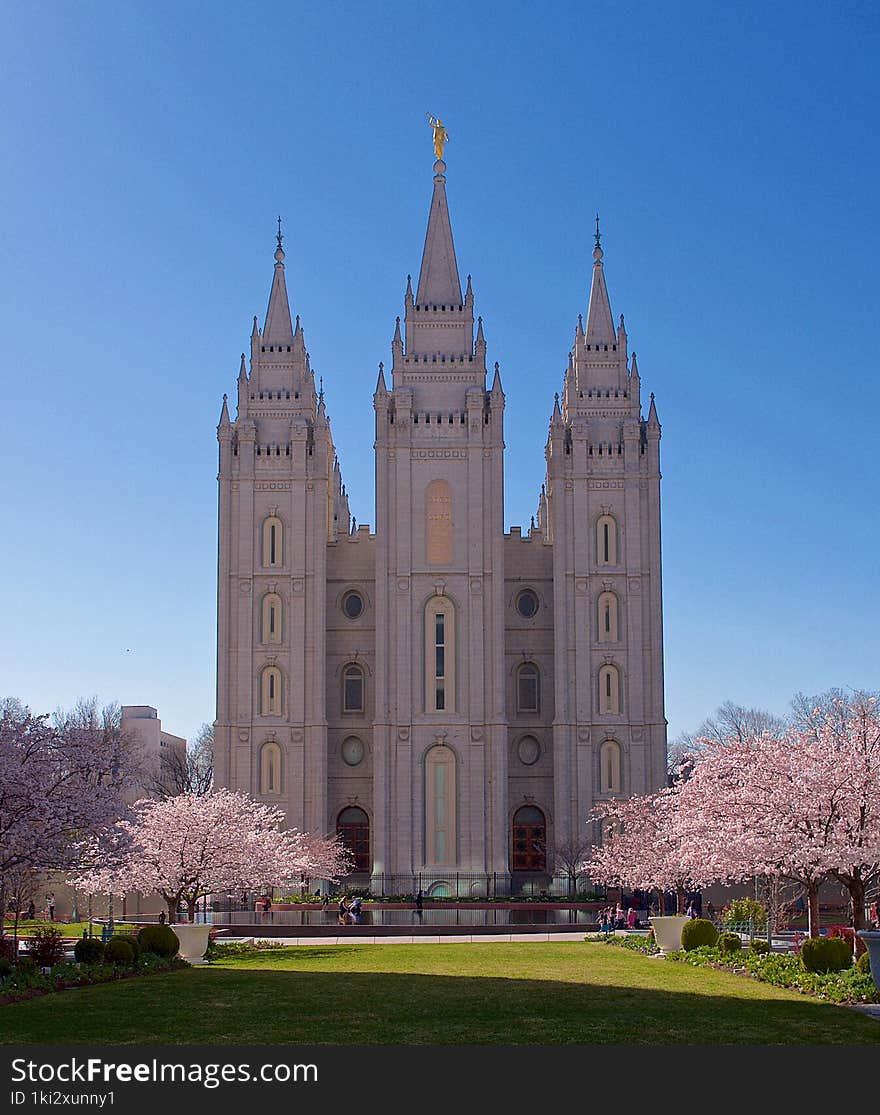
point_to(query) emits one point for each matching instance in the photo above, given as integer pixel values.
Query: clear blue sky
(731, 151)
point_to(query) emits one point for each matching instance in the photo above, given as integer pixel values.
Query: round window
(527, 603)
(528, 750)
(352, 604)
(352, 751)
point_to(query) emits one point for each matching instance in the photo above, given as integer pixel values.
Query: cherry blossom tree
(641, 846)
(58, 783)
(193, 845)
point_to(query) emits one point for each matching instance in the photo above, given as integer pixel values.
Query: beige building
(452, 698)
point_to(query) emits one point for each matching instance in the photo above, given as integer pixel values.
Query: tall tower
(439, 733)
(280, 502)
(600, 510)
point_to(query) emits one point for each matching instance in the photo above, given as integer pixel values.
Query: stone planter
(871, 937)
(667, 932)
(193, 942)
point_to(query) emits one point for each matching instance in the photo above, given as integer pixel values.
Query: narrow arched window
(270, 768)
(270, 691)
(608, 618)
(529, 840)
(353, 827)
(528, 688)
(606, 540)
(609, 690)
(273, 542)
(439, 655)
(270, 627)
(609, 767)
(352, 688)
(440, 807)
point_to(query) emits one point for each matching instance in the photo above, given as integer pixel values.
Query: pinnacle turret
(600, 323)
(278, 329)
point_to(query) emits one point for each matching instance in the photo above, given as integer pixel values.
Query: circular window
(529, 750)
(352, 751)
(527, 603)
(352, 604)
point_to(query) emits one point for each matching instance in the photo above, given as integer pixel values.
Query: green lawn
(437, 994)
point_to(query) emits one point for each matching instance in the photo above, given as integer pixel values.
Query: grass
(547, 994)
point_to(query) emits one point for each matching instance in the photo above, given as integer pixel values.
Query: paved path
(445, 939)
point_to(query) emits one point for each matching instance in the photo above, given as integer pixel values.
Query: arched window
(353, 826)
(440, 811)
(270, 768)
(529, 845)
(270, 629)
(608, 618)
(273, 542)
(352, 688)
(439, 655)
(609, 690)
(270, 691)
(606, 540)
(609, 767)
(528, 688)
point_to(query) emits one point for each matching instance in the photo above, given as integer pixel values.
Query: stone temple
(451, 698)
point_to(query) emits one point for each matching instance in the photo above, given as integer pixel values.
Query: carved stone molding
(244, 586)
(298, 584)
(403, 733)
(244, 735)
(296, 734)
(584, 734)
(425, 454)
(595, 484)
(476, 584)
(273, 486)
(476, 734)
(580, 585)
(403, 584)
(635, 585)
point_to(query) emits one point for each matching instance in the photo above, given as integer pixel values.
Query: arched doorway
(353, 825)
(529, 843)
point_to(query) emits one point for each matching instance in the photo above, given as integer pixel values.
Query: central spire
(439, 283)
(600, 324)
(278, 329)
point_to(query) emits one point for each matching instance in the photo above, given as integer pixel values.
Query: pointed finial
(255, 329)
(481, 340)
(580, 327)
(597, 251)
(396, 339)
(320, 389)
(242, 371)
(469, 293)
(382, 366)
(296, 330)
(409, 292)
(533, 522)
(279, 251)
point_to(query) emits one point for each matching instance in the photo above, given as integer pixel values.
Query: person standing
(419, 902)
(50, 905)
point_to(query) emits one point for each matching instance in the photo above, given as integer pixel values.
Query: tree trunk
(856, 887)
(679, 901)
(191, 909)
(2, 907)
(171, 903)
(661, 903)
(812, 909)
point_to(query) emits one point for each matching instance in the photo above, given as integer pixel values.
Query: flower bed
(848, 986)
(26, 982)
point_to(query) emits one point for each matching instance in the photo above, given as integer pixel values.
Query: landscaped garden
(531, 993)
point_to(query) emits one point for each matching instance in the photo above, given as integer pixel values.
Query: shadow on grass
(229, 1006)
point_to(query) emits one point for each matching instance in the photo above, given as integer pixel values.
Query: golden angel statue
(440, 134)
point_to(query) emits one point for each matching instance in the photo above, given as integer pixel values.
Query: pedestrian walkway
(445, 939)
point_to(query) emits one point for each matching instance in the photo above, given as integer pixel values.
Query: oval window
(352, 751)
(528, 750)
(527, 603)
(353, 604)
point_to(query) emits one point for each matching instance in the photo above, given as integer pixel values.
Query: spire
(496, 382)
(600, 324)
(224, 415)
(381, 389)
(278, 329)
(634, 369)
(653, 420)
(439, 283)
(242, 371)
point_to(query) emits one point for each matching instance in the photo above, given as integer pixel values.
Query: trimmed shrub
(161, 940)
(6, 967)
(698, 932)
(758, 945)
(119, 950)
(89, 950)
(864, 962)
(826, 954)
(730, 942)
(46, 947)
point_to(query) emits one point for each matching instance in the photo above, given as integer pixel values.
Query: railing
(468, 885)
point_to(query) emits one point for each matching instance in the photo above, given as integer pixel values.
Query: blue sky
(731, 152)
